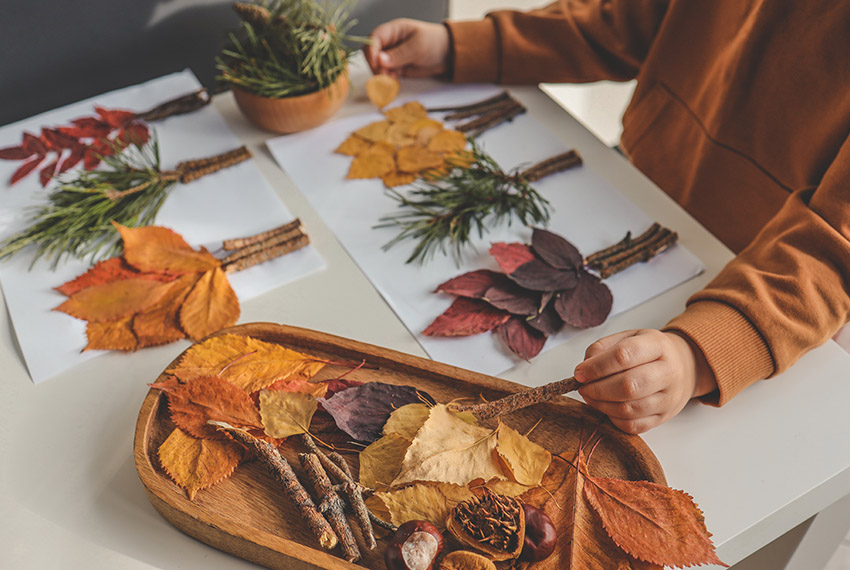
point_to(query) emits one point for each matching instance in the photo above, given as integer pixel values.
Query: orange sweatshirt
(742, 115)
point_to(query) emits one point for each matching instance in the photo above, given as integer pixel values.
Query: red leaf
(115, 117)
(57, 140)
(26, 168)
(509, 256)
(547, 321)
(87, 127)
(47, 172)
(588, 304)
(473, 284)
(539, 276)
(95, 152)
(33, 144)
(512, 298)
(136, 134)
(466, 317)
(73, 158)
(555, 250)
(524, 341)
(14, 153)
(340, 384)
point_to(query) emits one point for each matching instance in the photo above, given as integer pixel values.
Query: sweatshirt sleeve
(569, 41)
(786, 293)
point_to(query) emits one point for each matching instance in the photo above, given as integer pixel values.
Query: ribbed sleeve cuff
(475, 51)
(732, 347)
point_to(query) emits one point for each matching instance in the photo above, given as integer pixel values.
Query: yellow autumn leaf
(196, 464)
(447, 449)
(409, 112)
(406, 420)
(249, 363)
(286, 413)
(210, 306)
(526, 460)
(111, 335)
(159, 249)
(424, 501)
(509, 488)
(160, 323)
(352, 146)
(382, 89)
(381, 460)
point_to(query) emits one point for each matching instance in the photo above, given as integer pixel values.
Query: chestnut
(540, 535)
(414, 546)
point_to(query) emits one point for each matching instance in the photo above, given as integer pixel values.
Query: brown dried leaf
(540, 276)
(247, 362)
(210, 306)
(417, 159)
(510, 297)
(466, 317)
(373, 162)
(196, 464)
(353, 146)
(114, 300)
(111, 335)
(161, 250)
(315, 389)
(555, 250)
(521, 338)
(286, 413)
(382, 89)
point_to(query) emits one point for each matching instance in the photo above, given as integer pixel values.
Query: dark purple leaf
(512, 298)
(362, 411)
(509, 256)
(472, 284)
(523, 340)
(466, 317)
(555, 250)
(547, 321)
(538, 276)
(587, 305)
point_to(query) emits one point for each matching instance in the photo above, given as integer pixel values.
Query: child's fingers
(607, 342)
(630, 386)
(634, 349)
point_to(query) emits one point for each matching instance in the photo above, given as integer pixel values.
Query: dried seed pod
(466, 560)
(414, 546)
(493, 524)
(541, 536)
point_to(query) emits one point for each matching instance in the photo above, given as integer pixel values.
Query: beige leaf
(286, 413)
(381, 460)
(406, 420)
(425, 501)
(447, 449)
(526, 460)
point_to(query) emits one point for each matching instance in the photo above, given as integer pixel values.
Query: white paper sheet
(585, 209)
(234, 202)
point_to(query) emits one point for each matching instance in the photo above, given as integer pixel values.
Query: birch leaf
(526, 460)
(196, 464)
(286, 413)
(249, 363)
(406, 420)
(210, 306)
(447, 449)
(425, 501)
(380, 461)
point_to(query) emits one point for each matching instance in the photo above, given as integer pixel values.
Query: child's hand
(642, 378)
(408, 48)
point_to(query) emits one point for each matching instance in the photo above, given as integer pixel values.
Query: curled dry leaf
(196, 464)
(382, 89)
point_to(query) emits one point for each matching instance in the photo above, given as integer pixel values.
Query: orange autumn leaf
(297, 384)
(382, 89)
(395, 178)
(352, 146)
(447, 141)
(198, 401)
(652, 522)
(159, 249)
(160, 323)
(196, 464)
(417, 159)
(249, 363)
(373, 162)
(114, 300)
(210, 306)
(106, 271)
(409, 112)
(373, 132)
(111, 335)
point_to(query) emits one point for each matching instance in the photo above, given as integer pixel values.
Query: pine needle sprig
(444, 213)
(288, 47)
(77, 220)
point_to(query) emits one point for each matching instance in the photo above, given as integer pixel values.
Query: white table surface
(70, 497)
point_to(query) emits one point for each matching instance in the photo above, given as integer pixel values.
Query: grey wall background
(55, 52)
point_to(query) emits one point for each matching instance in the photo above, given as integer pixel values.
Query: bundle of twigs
(476, 118)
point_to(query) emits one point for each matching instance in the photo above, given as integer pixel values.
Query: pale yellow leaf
(286, 413)
(526, 460)
(425, 501)
(447, 449)
(509, 488)
(247, 362)
(197, 464)
(381, 460)
(406, 420)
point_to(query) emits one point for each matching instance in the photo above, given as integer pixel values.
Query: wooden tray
(248, 516)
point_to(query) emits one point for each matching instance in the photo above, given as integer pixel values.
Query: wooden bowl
(248, 516)
(293, 114)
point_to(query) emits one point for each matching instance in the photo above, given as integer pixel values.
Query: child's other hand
(642, 378)
(408, 48)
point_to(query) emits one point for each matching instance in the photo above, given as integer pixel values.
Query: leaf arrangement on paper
(87, 140)
(161, 289)
(543, 287)
(232, 397)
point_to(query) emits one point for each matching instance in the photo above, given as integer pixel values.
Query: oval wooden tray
(248, 516)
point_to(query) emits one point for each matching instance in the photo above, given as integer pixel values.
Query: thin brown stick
(337, 466)
(644, 253)
(558, 163)
(178, 106)
(330, 504)
(476, 127)
(239, 243)
(622, 245)
(519, 400)
(500, 105)
(472, 106)
(280, 469)
(273, 241)
(193, 169)
(267, 254)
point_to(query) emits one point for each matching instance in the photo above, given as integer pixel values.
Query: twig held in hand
(519, 400)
